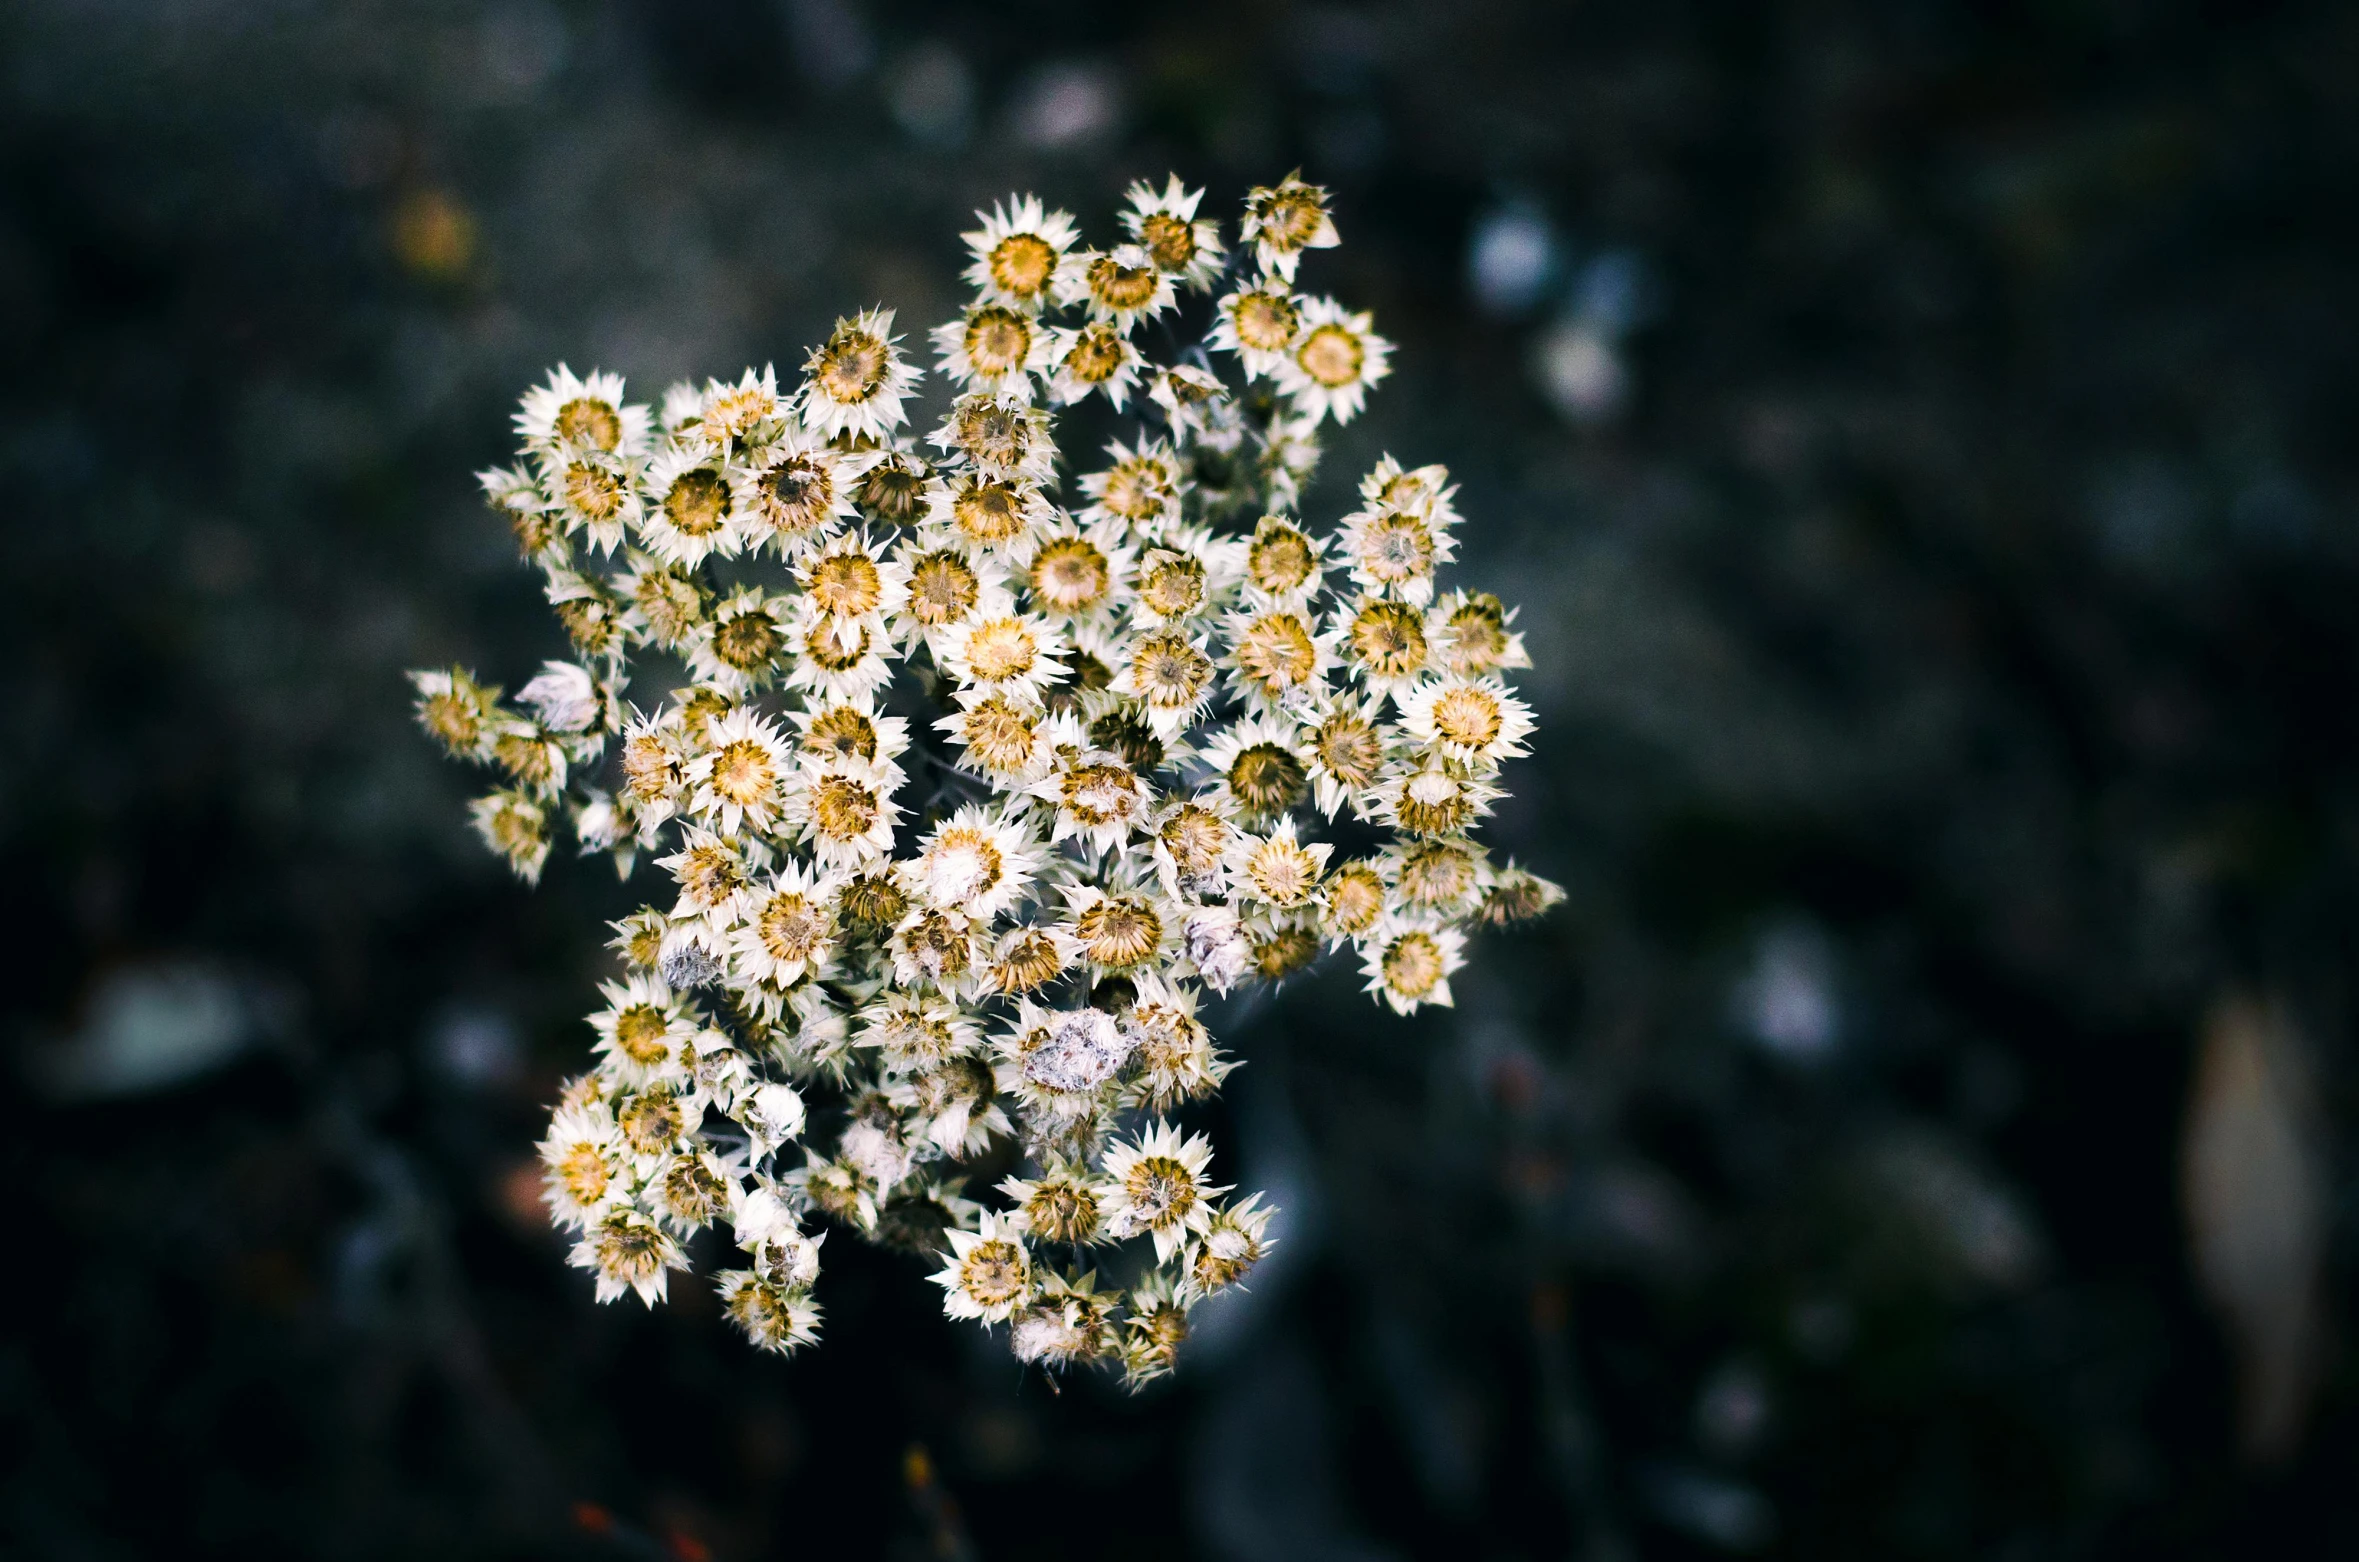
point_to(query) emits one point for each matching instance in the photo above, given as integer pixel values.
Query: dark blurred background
(1919, 436)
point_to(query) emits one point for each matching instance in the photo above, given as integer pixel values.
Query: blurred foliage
(1918, 436)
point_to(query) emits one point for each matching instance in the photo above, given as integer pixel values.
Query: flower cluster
(974, 779)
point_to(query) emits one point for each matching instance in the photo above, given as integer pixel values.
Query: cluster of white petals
(975, 774)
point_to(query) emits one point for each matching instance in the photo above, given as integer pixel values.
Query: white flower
(846, 812)
(771, 1115)
(743, 645)
(794, 490)
(989, 1274)
(1121, 286)
(1260, 324)
(1077, 572)
(1017, 655)
(937, 948)
(1097, 357)
(1157, 1185)
(1277, 869)
(739, 779)
(1142, 488)
(1000, 436)
(1259, 766)
(996, 348)
(842, 660)
(1169, 674)
(855, 381)
(730, 416)
(628, 1252)
(1332, 363)
(977, 862)
(572, 415)
(1003, 739)
(1408, 963)
(1217, 947)
(1280, 656)
(581, 1157)
(1177, 1059)
(643, 1032)
(790, 928)
(1394, 548)
(1432, 798)
(1346, 744)
(1473, 721)
(1017, 253)
(691, 509)
(1165, 225)
(1232, 1242)
(1384, 642)
(1284, 220)
(988, 516)
(1098, 799)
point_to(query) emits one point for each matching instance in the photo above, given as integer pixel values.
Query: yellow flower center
(1031, 961)
(892, 490)
(1280, 560)
(841, 732)
(697, 503)
(587, 420)
(1468, 717)
(1413, 965)
(1000, 738)
(1169, 241)
(991, 434)
(592, 491)
(1437, 875)
(1277, 653)
(1282, 873)
(743, 773)
(1021, 264)
(1070, 574)
(1265, 322)
(1355, 899)
(582, 1172)
(1196, 839)
(846, 584)
(942, 589)
(791, 927)
(747, 642)
(1172, 585)
(1290, 216)
(1265, 778)
(1120, 287)
(1137, 490)
(640, 1034)
(836, 644)
(1096, 355)
(992, 1273)
(843, 809)
(797, 494)
(1119, 931)
(1332, 356)
(1349, 748)
(988, 512)
(670, 603)
(1389, 639)
(851, 367)
(997, 341)
(1169, 673)
(1001, 649)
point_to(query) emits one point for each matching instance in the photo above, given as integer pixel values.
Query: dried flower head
(895, 943)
